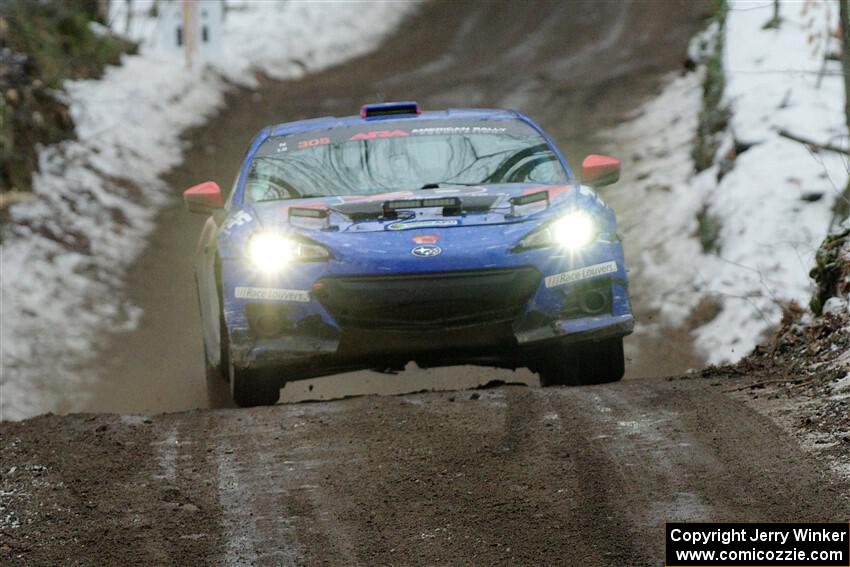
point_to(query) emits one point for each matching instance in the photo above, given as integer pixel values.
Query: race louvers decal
(581, 274)
(272, 294)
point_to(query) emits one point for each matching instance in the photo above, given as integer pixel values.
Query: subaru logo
(426, 251)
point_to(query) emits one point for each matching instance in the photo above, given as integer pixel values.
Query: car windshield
(370, 159)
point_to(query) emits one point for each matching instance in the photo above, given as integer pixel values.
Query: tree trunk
(844, 13)
(842, 205)
(129, 20)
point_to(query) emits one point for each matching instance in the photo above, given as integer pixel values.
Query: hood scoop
(526, 203)
(309, 217)
(451, 206)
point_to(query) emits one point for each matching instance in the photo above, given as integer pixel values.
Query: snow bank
(66, 253)
(773, 208)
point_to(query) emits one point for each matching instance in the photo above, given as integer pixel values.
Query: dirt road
(578, 67)
(504, 476)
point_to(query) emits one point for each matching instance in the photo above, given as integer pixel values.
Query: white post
(189, 31)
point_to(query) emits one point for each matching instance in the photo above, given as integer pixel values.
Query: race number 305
(740, 544)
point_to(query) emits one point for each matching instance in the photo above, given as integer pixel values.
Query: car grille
(421, 301)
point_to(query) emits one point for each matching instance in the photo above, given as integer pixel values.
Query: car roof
(337, 122)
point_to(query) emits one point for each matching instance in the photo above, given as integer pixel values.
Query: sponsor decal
(423, 224)
(237, 219)
(281, 147)
(379, 134)
(581, 274)
(426, 239)
(272, 294)
(459, 130)
(303, 144)
(426, 251)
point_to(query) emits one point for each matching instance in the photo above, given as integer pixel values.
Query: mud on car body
(443, 237)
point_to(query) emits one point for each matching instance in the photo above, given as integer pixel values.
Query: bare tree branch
(813, 144)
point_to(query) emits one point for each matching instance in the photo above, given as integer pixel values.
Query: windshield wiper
(307, 196)
(439, 184)
(311, 196)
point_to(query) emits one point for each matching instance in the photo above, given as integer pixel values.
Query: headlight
(270, 251)
(573, 231)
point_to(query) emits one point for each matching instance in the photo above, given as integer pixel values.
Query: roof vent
(368, 111)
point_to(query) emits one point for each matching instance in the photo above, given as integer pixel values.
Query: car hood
(480, 205)
(358, 225)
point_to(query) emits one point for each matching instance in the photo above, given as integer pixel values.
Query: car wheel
(592, 363)
(250, 387)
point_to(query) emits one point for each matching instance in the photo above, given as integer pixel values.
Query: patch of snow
(134, 420)
(167, 452)
(835, 306)
(843, 359)
(842, 385)
(64, 256)
(774, 207)
(842, 470)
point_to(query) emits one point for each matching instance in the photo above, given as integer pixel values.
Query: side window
(545, 169)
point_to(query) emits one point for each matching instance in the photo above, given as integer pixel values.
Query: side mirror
(203, 198)
(597, 171)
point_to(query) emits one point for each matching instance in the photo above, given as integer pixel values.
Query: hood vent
(452, 206)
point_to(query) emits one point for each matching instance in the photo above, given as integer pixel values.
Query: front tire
(250, 387)
(591, 363)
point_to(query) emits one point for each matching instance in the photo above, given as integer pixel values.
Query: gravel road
(502, 476)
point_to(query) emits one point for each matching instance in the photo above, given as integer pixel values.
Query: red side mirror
(203, 198)
(597, 171)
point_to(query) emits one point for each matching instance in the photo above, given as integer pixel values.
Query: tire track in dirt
(251, 488)
(605, 521)
(684, 451)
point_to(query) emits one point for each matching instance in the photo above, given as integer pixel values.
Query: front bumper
(386, 348)
(498, 317)
(574, 331)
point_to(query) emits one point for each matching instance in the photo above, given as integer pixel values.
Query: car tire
(592, 363)
(250, 387)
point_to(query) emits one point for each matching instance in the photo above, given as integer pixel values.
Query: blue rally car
(445, 237)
